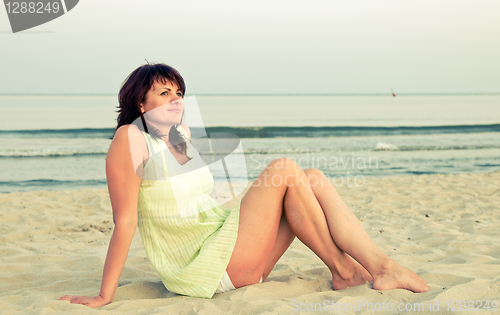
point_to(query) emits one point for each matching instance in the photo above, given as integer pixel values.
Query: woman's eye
(179, 94)
(164, 93)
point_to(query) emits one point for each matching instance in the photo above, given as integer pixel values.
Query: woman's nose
(177, 100)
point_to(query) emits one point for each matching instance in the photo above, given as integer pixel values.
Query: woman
(215, 249)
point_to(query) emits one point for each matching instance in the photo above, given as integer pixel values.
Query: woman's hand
(93, 302)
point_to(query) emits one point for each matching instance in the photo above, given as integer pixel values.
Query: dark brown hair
(133, 93)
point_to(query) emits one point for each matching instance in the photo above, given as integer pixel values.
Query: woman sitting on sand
(216, 249)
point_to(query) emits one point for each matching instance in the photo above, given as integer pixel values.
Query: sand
(446, 228)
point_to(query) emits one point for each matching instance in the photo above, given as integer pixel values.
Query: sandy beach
(446, 228)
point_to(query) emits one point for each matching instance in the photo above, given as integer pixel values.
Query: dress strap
(148, 142)
(154, 145)
(156, 166)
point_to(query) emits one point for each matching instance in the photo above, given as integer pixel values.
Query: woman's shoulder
(130, 138)
(130, 132)
(127, 128)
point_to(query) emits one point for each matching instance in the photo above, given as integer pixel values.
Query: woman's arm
(123, 185)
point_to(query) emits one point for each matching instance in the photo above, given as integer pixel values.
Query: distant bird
(393, 94)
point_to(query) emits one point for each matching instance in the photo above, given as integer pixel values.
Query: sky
(261, 47)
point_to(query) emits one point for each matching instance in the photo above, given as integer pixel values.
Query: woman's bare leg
(286, 236)
(276, 189)
(260, 217)
(350, 236)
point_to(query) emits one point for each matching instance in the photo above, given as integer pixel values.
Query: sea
(59, 142)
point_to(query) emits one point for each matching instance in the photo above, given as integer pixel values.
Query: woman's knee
(283, 163)
(316, 177)
(282, 171)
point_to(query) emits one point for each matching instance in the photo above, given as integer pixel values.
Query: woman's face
(164, 104)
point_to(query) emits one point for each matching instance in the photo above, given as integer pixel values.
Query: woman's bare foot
(353, 276)
(395, 276)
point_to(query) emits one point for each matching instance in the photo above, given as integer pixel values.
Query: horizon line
(277, 94)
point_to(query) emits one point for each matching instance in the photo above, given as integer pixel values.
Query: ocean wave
(20, 153)
(381, 146)
(385, 147)
(91, 133)
(268, 131)
(389, 147)
(348, 131)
